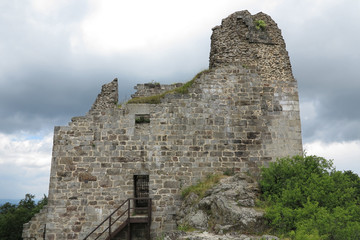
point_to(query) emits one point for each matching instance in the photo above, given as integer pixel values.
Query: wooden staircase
(121, 218)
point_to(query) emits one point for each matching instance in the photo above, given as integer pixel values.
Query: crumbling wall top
(154, 88)
(251, 40)
(108, 97)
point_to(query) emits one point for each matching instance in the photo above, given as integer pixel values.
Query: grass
(229, 172)
(156, 99)
(201, 187)
(186, 228)
(161, 237)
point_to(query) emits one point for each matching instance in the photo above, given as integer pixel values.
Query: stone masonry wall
(263, 51)
(241, 114)
(149, 89)
(36, 227)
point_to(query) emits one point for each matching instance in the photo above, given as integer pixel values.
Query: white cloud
(25, 150)
(116, 26)
(24, 164)
(345, 154)
(48, 7)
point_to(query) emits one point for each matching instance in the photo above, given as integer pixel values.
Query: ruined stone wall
(36, 228)
(263, 51)
(239, 115)
(149, 89)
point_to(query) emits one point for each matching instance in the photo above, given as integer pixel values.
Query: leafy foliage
(13, 217)
(308, 199)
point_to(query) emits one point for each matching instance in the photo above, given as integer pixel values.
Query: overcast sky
(56, 54)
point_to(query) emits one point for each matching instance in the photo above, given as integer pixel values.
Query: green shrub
(308, 199)
(303, 235)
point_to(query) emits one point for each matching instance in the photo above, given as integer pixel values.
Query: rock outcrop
(228, 207)
(210, 236)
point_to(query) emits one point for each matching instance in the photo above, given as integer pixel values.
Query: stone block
(171, 184)
(85, 177)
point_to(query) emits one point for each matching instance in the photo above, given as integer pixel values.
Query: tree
(308, 199)
(13, 217)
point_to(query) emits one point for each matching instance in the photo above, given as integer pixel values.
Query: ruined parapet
(254, 41)
(108, 97)
(150, 89)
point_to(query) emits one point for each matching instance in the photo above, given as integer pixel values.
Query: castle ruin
(240, 114)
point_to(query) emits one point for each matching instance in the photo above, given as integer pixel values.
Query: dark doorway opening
(141, 185)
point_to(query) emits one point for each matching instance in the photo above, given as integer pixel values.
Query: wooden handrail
(127, 211)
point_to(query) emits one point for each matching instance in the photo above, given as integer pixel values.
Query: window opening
(142, 118)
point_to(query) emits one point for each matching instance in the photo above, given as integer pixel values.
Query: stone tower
(240, 114)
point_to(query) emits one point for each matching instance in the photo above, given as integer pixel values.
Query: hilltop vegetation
(13, 217)
(303, 198)
(306, 198)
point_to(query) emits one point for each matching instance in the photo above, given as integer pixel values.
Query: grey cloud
(42, 94)
(43, 83)
(325, 63)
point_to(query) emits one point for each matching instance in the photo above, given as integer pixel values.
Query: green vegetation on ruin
(202, 186)
(260, 24)
(186, 228)
(156, 99)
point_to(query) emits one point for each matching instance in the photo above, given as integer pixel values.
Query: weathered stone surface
(239, 115)
(85, 177)
(210, 236)
(227, 206)
(36, 227)
(108, 97)
(149, 89)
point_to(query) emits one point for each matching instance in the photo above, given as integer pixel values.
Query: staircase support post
(110, 227)
(129, 228)
(149, 218)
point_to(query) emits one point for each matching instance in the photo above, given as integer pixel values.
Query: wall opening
(142, 118)
(141, 190)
